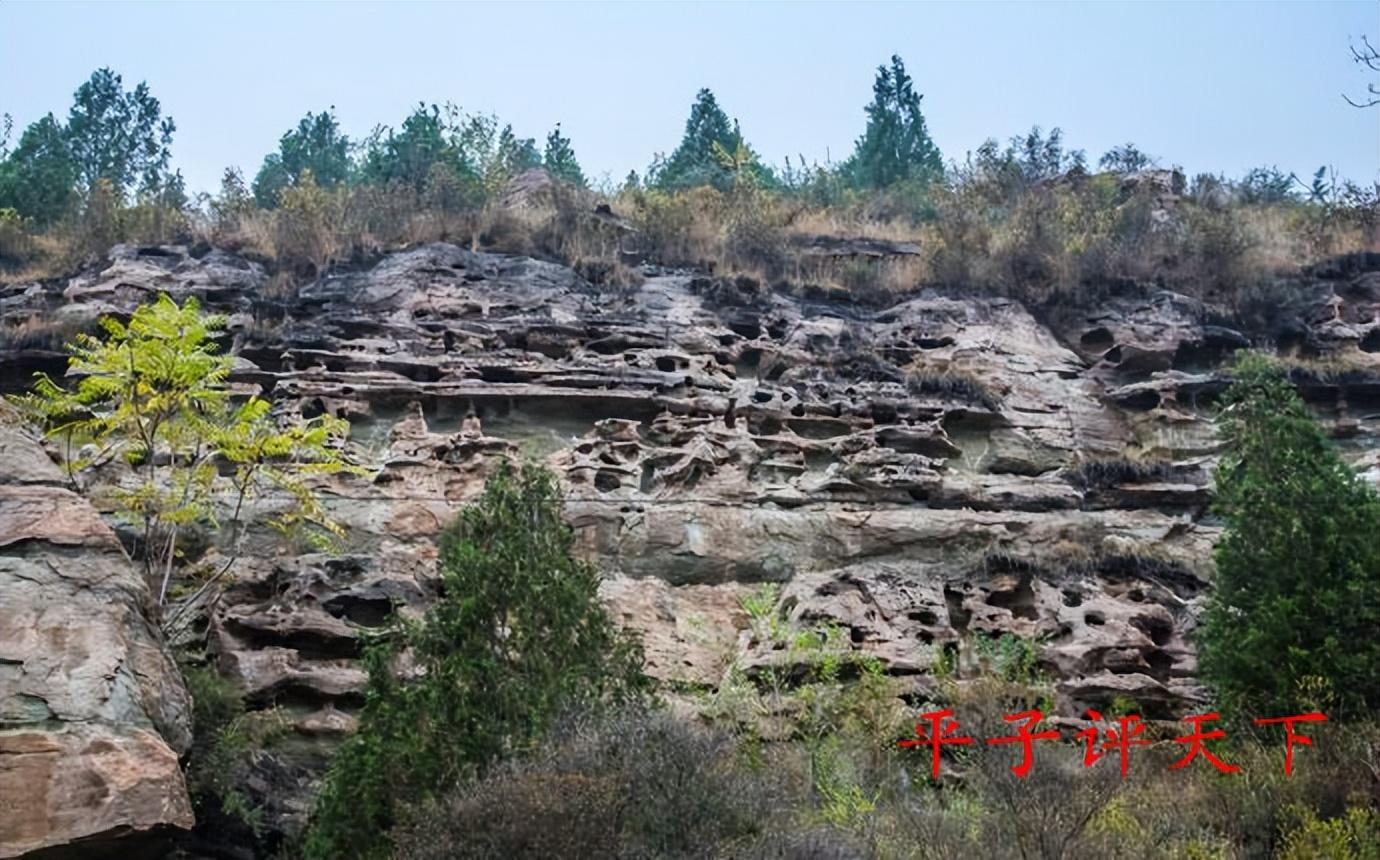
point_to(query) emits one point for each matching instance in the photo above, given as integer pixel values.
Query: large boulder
(93, 712)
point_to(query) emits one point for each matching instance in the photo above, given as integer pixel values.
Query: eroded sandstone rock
(923, 475)
(93, 713)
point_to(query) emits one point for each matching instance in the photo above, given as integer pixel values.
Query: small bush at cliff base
(1292, 618)
(626, 784)
(516, 636)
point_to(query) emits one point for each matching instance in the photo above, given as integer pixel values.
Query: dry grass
(39, 332)
(1041, 242)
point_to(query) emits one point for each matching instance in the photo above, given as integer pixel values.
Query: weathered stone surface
(922, 475)
(93, 713)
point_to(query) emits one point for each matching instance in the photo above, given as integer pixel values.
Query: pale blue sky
(1209, 86)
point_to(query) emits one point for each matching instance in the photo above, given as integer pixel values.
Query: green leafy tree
(559, 158)
(153, 394)
(517, 635)
(495, 154)
(318, 145)
(1126, 158)
(1266, 185)
(895, 147)
(406, 157)
(516, 154)
(1296, 600)
(696, 161)
(233, 202)
(118, 136)
(39, 177)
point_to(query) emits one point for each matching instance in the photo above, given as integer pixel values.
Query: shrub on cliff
(627, 784)
(516, 635)
(1291, 622)
(155, 393)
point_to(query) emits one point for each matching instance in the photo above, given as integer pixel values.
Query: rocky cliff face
(921, 474)
(93, 713)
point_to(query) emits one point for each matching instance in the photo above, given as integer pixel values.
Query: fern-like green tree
(1295, 606)
(153, 392)
(516, 636)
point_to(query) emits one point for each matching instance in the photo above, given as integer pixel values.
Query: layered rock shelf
(921, 474)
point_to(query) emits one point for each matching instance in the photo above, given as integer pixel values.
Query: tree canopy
(895, 146)
(559, 158)
(696, 161)
(1296, 602)
(38, 177)
(112, 136)
(119, 136)
(407, 155)
(517, 636)
(154, 392)
(316, 144)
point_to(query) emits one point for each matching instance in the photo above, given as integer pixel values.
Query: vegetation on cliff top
(1030, 217)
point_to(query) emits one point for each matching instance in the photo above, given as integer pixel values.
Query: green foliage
(316, 145)
(233, 205)
(895, 147)
(1126, 158)
(1007, 657)
(698, 159)
(844, 803)
(512, 154)
(121, 137)
(760, 607)
(809, 670)
(153, 393)
(1297, 591)
(407, 156)
(38, 177)
(1266, 185)
(559, 159)
(447, 154)
(1354, 835)
(219, 743)
(516, 636)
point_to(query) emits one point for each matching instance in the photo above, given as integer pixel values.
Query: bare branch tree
(1369, 57)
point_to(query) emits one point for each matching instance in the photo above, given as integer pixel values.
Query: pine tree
(559, 159)
(516, 636)
(1296, 602)
(896, 146)
(696, 162)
